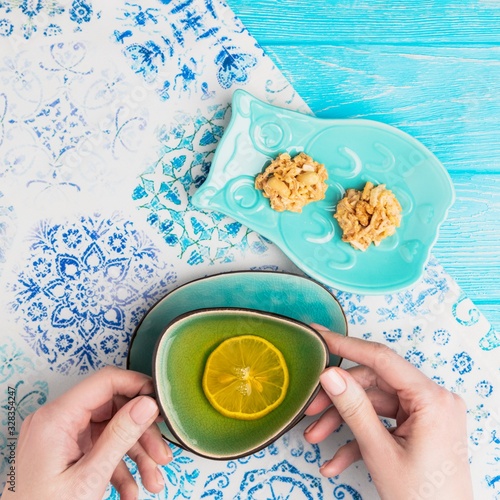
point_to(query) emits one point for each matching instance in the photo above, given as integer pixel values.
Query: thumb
(357, 411)
(121, 433)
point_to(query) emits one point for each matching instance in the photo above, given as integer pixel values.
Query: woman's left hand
(73, 446)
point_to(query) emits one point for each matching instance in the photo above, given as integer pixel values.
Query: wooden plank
(447, 97)
(469, 240)
(347, 22)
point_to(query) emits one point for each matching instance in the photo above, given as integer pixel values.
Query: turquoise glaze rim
(334, 317)
(175, 438)
(354, 151)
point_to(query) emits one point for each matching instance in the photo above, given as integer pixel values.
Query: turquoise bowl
(284, 294)
(353, 152)
(178, 365)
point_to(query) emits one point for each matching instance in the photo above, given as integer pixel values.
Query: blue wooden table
(431, 68)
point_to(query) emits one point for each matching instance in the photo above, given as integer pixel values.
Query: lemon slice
(245, 377)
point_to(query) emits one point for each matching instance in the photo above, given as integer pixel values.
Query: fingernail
(168, 451)
(311, 427)
(143, 410)
(317, 326)
(333, 382)
(159, 478)
(327, 470)
(324, 465)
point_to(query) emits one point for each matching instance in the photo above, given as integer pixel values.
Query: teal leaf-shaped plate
(354, 152)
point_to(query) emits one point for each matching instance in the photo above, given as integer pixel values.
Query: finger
(124, 482)
(357, 411)
(364, 375)
(329, 422)
(395, 370)
(346, 455)
(385, 405)
(106, 411)
(148, 469)
(368, 378)
(119, 436)
(101, 387)
(152, 441)
(320, 402)
(155, 446)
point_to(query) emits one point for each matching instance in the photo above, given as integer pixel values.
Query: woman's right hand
(425, 456)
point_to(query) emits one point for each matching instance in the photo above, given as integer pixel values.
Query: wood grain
(468, 241)
(448, 98)
(431, 68)
(347, 22)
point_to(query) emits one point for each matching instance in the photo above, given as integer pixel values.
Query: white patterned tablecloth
(109, 116)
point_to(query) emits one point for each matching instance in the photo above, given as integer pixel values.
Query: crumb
(291, 183)
(368, 216)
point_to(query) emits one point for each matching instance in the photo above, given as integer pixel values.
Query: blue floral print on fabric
(85, 288)
(462, 363)
(415, 357)
(393, 335)
(28, 398)
(156, 40)
(22, 393)
(39, 15)
(414, 302)
(80, 11)
(441, 336)
(166, 187)
(6, 27)
(484, 388)
(65, 142)
(3, 111)
(465, 312)
(7, 217)
(490, 341)
(56, 116)
(13, 361)
(282, 480)
(265, 475)
(180, 477)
